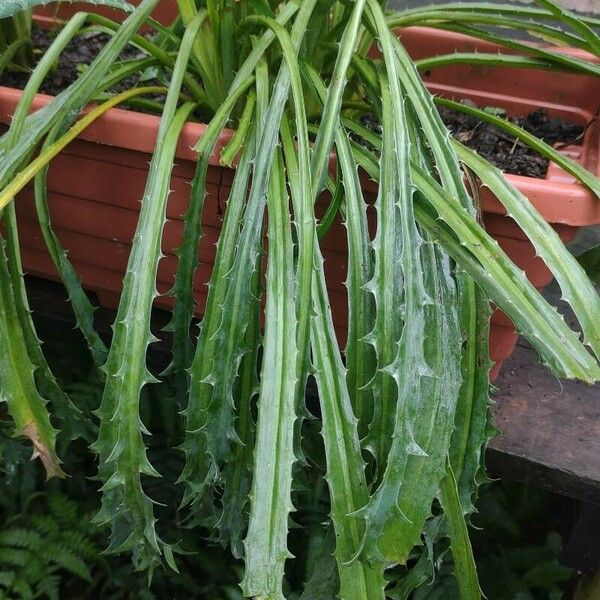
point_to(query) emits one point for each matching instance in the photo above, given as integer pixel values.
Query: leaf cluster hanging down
(391, 452)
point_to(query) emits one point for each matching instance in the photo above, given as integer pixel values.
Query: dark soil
(502, 150)
(81, 51)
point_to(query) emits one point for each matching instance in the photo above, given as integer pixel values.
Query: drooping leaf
(402, 499)
(465, 570)
(82, 306)
(576, 287)
(481, 256)
(472, 421)
(201, 471)
(187, 253)
(73, 423)
(12, 7)
(266, 542)
(17, 384)
(237, 474)
(345, 465)
(220, 345)
(566, 163)
(120, 442)
(388, 282)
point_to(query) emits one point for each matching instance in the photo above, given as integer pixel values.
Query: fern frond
(48, 544)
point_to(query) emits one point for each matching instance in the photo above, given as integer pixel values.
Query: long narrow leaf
(565, 61)
(481, 256)
(271, 486)
(576, 287)
(12, 7)
(580, 26)
(569, 165)
(237, 474)
(345, 466)
(534, 28)
(17, 385)
(120, 442)
(187, 253)
(496, 8)
(465, 570)
(416, 456)
(73, 425)
(82, 306)
(266, 542)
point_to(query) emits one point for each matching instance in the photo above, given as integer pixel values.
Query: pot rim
(564, 202)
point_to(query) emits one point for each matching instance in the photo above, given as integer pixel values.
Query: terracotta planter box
(95, 185)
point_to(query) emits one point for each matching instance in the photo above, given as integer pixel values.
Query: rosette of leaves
(402, 411)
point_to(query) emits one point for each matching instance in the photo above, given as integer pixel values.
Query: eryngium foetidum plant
(402, 415)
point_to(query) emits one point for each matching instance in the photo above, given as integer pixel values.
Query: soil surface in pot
(503, 150)
(79, 53)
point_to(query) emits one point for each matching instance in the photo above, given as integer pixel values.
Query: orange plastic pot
(95, 185)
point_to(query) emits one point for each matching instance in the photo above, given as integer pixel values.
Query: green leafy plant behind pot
(393, 448)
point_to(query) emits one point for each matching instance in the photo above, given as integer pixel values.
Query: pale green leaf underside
(8, 8)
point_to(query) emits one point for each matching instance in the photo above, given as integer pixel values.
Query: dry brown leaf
(41, 451)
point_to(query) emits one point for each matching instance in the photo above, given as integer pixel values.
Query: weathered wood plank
(551, 429)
